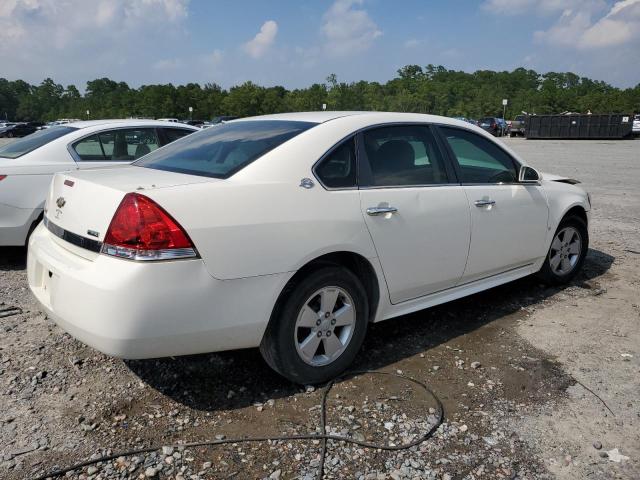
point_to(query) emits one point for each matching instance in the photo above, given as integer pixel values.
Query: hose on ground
(323, 437)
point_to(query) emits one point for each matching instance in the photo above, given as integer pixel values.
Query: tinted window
(33, 141)
(117, 145)
(404, 156)
(480, 160)
(173, 134)
(225, 149)
(338, 169)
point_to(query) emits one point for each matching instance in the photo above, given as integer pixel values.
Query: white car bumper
(146, 310)
(15, 224)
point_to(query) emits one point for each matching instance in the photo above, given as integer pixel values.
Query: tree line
(430, 89)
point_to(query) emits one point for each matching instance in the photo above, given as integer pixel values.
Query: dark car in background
(493, 125)
(20, 129)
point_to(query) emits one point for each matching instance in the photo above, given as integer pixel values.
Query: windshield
(35, 140)
(223, 150)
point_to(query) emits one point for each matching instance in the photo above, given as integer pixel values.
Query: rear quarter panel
(244, 230)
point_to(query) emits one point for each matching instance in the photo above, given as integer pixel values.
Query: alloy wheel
(565, 251)
(325, 326)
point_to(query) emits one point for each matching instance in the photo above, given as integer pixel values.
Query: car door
(114, 146)
(509, 219)
(416, 213)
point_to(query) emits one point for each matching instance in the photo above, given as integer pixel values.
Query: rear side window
(123, 145)
(338, 169)
(35, 140)
(404, 156)
(479, 160)
(223, 150)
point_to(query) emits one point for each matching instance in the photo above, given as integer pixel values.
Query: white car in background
(27, 165)
(292, 232)
(636, 125)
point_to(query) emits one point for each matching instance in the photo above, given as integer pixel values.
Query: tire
(558, 273)
(300, 305)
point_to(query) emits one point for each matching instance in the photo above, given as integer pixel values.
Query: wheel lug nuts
(333, 321)
(327, 315)
(318, 322)
(319, 334)
(329, 333)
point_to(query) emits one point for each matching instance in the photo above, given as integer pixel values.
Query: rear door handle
(374, 211)
(484, 203)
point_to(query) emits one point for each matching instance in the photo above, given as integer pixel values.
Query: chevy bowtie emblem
(60, 202)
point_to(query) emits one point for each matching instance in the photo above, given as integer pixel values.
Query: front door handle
(484, 203)
(374, 211)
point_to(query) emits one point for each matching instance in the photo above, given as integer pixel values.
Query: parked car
(491, 125)
(20, 129)
(175, 120)
(27, 165)
(517, 126)
(636, 125)
(293, 232)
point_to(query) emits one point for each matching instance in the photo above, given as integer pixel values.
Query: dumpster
(612, 126)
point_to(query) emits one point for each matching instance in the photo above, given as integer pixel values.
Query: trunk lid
(84, 202)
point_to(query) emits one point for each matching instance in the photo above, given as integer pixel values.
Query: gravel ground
(519, 370)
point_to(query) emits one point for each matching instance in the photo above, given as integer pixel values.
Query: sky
(295, 43)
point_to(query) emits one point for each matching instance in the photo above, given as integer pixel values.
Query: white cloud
(541, 7)
(68, 39)
(411, 43)
(264, 39)
(348, 29)
(576, 28)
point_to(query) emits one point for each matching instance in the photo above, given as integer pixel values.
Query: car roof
(325, 116)
(315, 117)
(126, 123)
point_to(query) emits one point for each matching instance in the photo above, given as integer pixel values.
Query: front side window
(35, 140)
(479, 160)
(123, 145)
(338, 169)
(221, 151)
(404, 156)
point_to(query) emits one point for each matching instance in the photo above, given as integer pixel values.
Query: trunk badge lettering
(60, 202)
(69, 183)
(93, 233)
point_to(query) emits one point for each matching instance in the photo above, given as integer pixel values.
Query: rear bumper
(147, 310)
(15, 224)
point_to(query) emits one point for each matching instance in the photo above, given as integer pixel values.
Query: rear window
(223, 150)
(35, 140)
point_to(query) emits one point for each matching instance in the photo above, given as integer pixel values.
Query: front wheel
(318, 326)
(567, 252)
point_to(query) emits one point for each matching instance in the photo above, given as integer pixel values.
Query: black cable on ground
(323, 437)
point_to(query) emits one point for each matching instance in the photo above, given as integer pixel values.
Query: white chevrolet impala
(292, 232)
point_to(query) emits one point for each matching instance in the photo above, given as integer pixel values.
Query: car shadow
(203, 382)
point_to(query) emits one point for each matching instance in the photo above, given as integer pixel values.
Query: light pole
(88, 113)
(190, 113)
(504, 113)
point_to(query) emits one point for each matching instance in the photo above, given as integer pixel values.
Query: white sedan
(27, 165)
(292, 232)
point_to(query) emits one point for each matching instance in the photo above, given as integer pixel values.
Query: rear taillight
(142, 230)
(2, 177)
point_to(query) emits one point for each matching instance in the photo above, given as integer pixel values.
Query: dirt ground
(536, 382)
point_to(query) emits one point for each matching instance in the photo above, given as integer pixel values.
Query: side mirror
(528, 175)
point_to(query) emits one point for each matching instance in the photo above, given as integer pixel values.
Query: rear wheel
(317, 327)
(567, 252)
